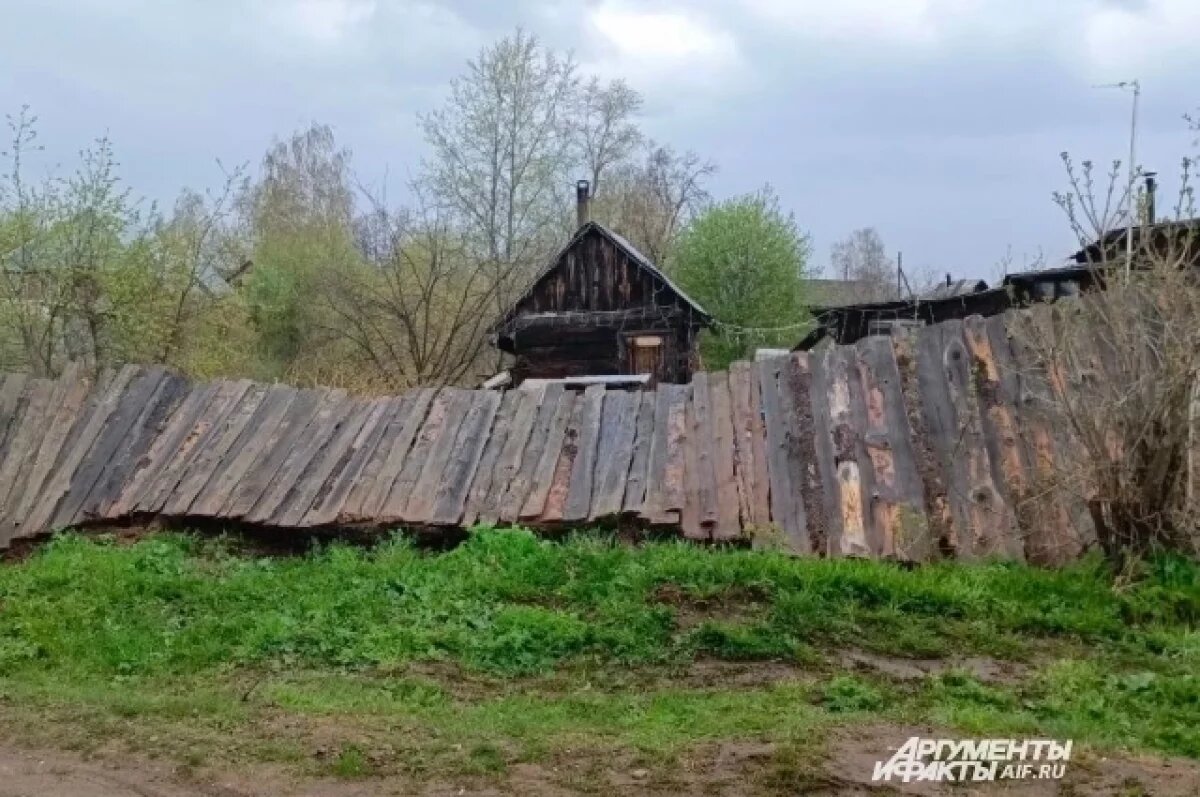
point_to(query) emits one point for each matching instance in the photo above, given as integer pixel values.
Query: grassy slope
(510, 648)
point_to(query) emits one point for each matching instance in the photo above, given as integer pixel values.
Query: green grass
(511, 648)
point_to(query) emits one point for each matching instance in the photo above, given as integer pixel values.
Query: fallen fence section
(916, 448)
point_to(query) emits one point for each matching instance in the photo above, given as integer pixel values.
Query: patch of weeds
(351, 762)
(485, 759)
(845, 693)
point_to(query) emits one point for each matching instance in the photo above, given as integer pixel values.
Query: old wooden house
(601, 308)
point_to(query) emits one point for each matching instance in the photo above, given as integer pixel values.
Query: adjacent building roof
(842, 293)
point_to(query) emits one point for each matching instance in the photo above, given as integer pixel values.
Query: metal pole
(1137, 90)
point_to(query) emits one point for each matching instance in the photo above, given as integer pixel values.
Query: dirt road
(731, 771)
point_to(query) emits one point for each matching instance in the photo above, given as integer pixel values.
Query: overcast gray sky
(937, 121)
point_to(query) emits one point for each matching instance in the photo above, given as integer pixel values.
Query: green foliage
(555, 641)
(744, 260)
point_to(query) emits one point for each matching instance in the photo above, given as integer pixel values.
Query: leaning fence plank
(618, 430)
(250, 448)
(583, 470)
(633, 501)
(102, 402)
(323, 462)
(543, 475)
(328, 506)
(490, 507)
(264, 474)
(211, 454)
(332, 408)
(727, 526)
(487, 471)
(368, 503)
(451, 495)
(702, 433)
(523, 477)
(417, 458)
(419, 507)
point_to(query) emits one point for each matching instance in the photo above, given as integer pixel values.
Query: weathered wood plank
(250, 447)
(543, 474)
(11, 390)
(102, 402)
(14, 469)
(703, 478)
(583, 469)
(618, 431)
(799, 453)
(225, 396)
(750, 463)
(327, 507)
(772, 385)
(211, 452)
(487, 471)
(345, 426)
(450, 499)
(560, 481)
(395, 502)
(133, 445)
(933, 486)
(490, 507)
(152, 463)
(690, 519)
(993, 528)
(265, 473)
(727, 526)
(666, 488)
(81, 500)
(353, 508)
(898, 501)
(419, 507)
(634, 499)
(332, 409)
(67, 401)
(523, 478)
(405, 428)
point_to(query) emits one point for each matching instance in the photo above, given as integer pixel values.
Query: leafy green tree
(744, 260)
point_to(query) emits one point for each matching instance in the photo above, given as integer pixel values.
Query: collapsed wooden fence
(914, 448)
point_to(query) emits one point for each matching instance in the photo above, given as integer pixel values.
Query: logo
(975, 760)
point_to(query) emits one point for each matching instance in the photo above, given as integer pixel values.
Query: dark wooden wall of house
(577, 319)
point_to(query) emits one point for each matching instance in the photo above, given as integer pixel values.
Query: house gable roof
(629, 250)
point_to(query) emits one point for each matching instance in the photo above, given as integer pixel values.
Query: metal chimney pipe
(1151, 187)
(582, 200)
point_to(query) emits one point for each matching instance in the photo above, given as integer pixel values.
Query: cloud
(667, 45)
(323, 23)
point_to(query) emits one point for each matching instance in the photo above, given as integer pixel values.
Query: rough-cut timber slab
(750, 458)
(486, 501)
(702, 475)
(898, 501)
(618, 432)
(264, 471)
(368, 497)
(633, 502)
(325, 459)
(255, 437)
(419, 507)
(727, 526)
(583, 468)
(783, 456)
(211, 453)
(547, 465)
(523, 477)
(328, 504)
(451, 496)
